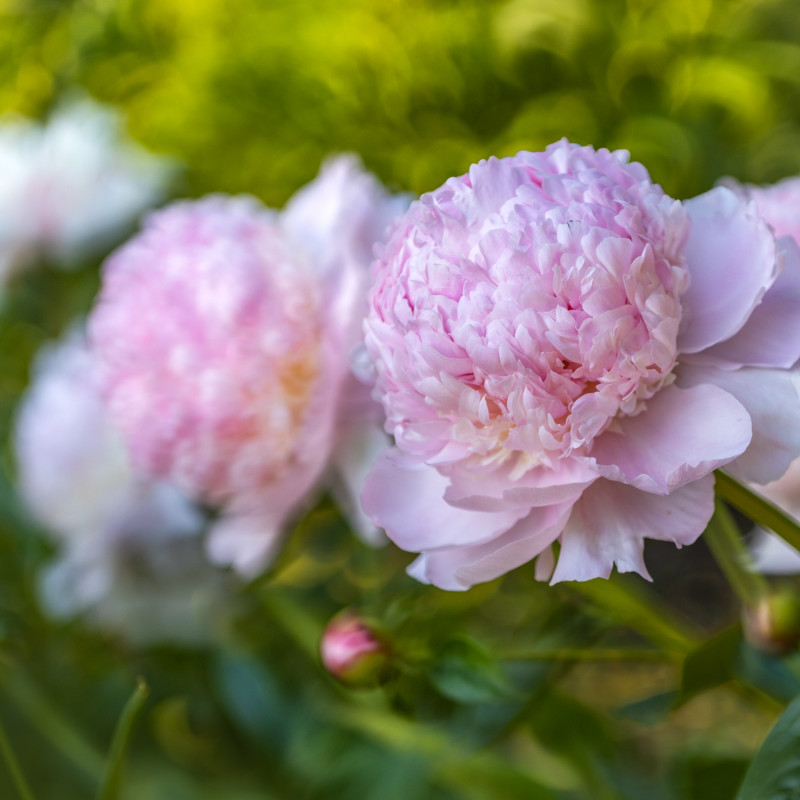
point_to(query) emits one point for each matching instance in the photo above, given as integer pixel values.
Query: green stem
(725, 543)
(629, 602)
(112, 780)
(757, 508)
(17, 778)
(600, 654)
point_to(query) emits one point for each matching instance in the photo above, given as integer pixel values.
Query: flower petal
(771, 336)
(459, 568)
(357, 448)
(773, 403)
(498, 489)
(610, 522)
(683, 435)
(731, 254)
(406, 499)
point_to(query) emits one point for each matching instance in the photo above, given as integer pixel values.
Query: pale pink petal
(683, 435)
(406, 499)
(459, 568)
(731, 255)
(541, 486)
(609, 524)
(771, 336)
(772, 401)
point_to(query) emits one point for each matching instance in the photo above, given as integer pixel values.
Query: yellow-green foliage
(253, 94)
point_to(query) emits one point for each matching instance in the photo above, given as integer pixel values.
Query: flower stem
(17, 777)
(725, 543)
(589, 654)
(112, 780)
(757, 508)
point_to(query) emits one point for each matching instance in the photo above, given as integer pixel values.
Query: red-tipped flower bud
(352, 651)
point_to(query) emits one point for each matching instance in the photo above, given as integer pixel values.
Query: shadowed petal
(610, 522)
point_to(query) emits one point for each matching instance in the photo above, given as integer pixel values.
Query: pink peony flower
(130, 553)
(564, 355)
(225, 329)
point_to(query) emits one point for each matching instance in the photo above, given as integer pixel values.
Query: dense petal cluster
(72, 186)
(564, 354)
(130, 554)
(225, 330)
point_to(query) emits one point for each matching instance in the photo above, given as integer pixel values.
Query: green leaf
(252, 698)
(709, 665)
(466, 672)
(112, 780)
(705, 777)
(628, 601)
(774, 773)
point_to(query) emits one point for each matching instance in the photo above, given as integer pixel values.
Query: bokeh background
(513, 689)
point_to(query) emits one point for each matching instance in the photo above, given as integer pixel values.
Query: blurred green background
(512, 690)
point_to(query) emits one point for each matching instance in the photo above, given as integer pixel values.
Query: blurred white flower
(72, 186)
(771, 554)
(131, 557)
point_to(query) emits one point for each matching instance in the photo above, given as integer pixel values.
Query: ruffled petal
(771, 335)
(459, 568)
(406, 499)
(773, 403)
(610, 522)
(731, 254)
(683, 435)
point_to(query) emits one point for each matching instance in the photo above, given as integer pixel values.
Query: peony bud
(352, 651)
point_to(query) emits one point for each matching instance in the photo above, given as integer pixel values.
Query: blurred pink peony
(225, 330)
(129, 548)
(564, 354)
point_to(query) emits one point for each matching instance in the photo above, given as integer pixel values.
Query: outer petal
(683, 435)
(771, 336)
(731, 254)
(406, 498)
(771, 398)
(458, 568)
(609, 524)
